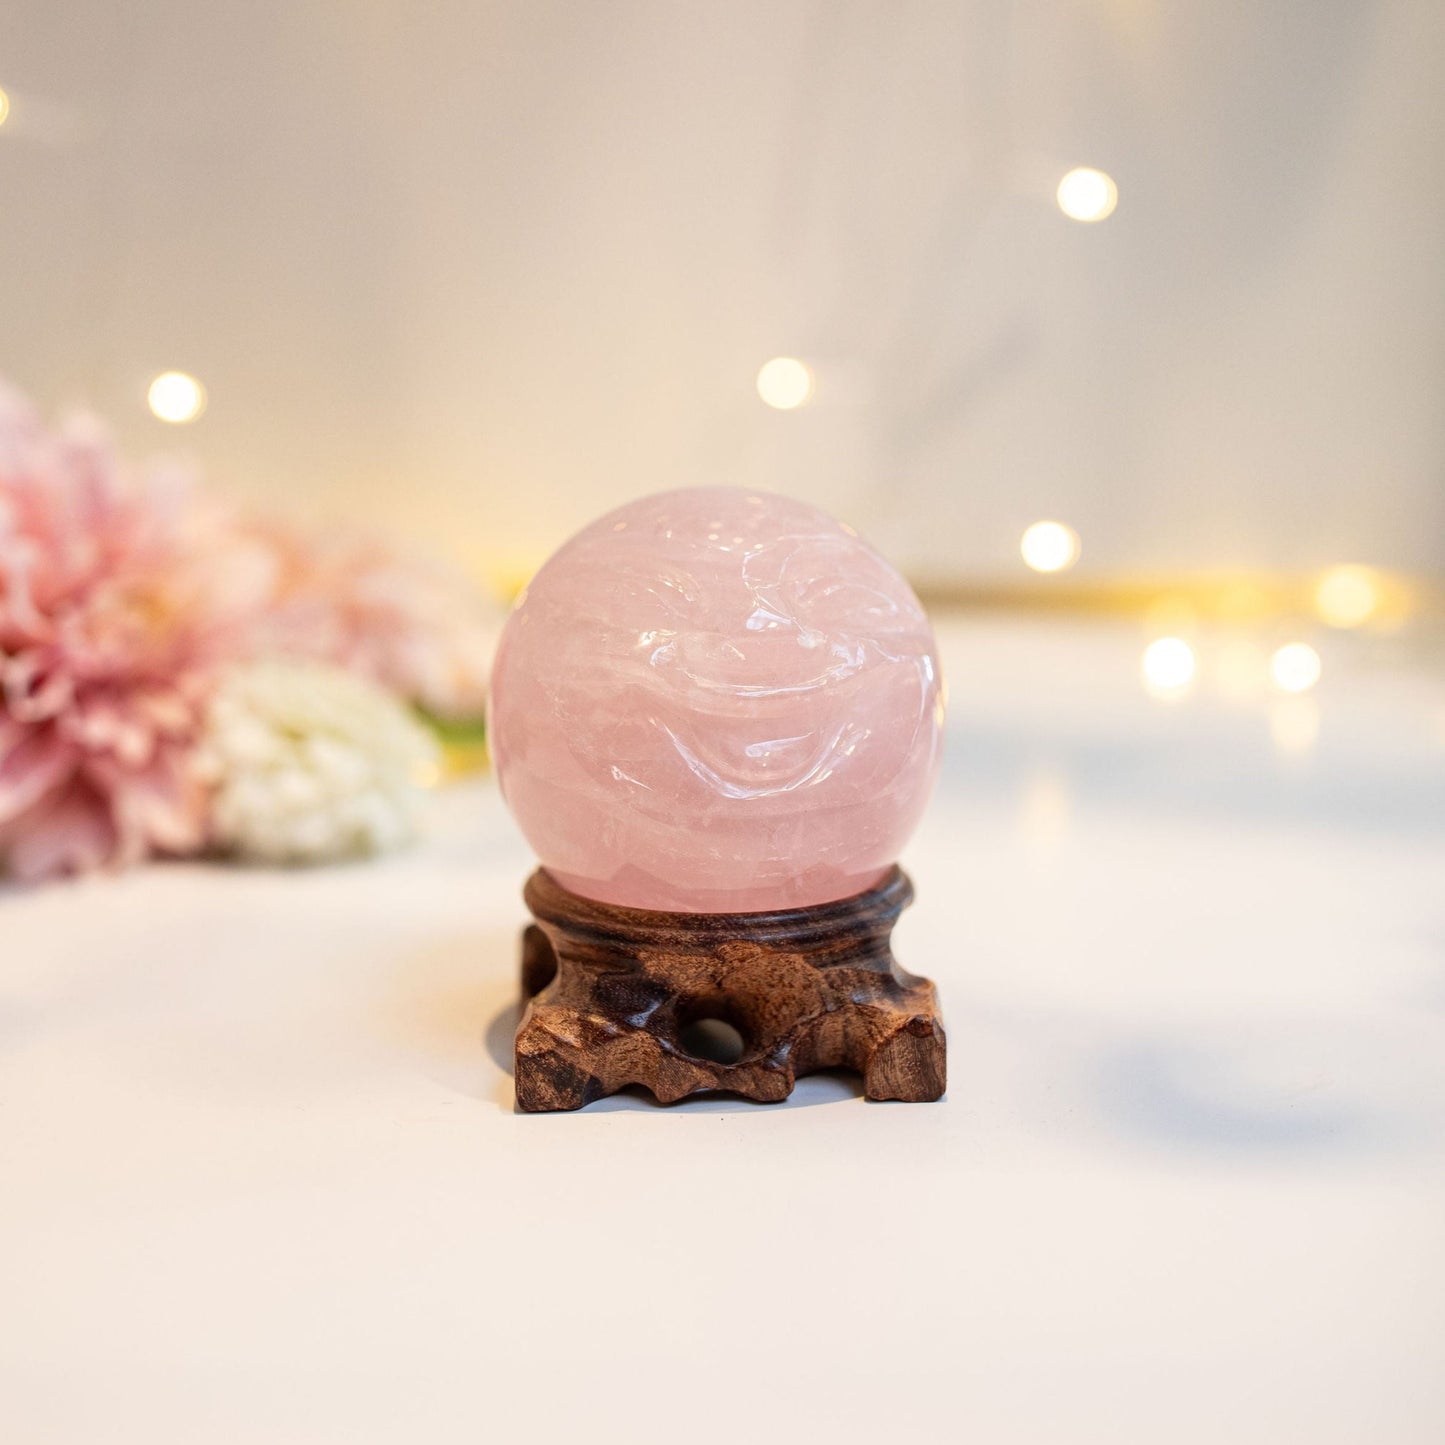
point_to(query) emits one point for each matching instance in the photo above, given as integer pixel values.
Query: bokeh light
(175, 397)
(4, 107)
(1050, 547)
(1295, 667)
(785, 383)
(1087, 195)
(1168, 667)
(1348, 596)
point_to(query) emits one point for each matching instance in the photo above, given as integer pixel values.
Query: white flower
(311, 763)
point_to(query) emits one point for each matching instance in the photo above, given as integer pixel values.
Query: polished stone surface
(717, 700)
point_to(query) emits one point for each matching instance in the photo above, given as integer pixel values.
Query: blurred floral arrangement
(178, 679)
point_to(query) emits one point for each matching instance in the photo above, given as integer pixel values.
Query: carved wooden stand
(612, 993)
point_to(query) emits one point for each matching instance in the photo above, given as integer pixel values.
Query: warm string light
(175, 397)
(1050, 547)
(1242, 670)
(785, 383)
(1295, 667)
(1087, 195)
(1348, 596)
(1168, 667)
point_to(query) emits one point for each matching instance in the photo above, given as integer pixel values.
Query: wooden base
(614, 996)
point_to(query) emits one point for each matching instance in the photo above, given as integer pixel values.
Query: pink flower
(118, 598)
(413, 626)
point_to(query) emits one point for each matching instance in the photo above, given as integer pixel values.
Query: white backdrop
(477, 271)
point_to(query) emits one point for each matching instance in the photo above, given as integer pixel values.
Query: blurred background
(477, 272)
(1120, 326)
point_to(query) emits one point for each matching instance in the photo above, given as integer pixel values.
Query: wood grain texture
(611, 994)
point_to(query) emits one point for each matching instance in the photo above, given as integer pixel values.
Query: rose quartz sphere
(717, 701)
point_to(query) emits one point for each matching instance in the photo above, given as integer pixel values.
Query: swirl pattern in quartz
(717, 700)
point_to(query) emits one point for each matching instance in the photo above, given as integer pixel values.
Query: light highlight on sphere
(785, 383)
(1295, 667)
(1050, 547)
(1168, 667)
(175, 397)
(1347, 596)
(1087, 195)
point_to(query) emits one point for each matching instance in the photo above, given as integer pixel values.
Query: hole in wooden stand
(715, 1040)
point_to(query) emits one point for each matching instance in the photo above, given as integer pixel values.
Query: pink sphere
(717, 701)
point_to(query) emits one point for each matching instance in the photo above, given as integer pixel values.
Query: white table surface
(261, 1179)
